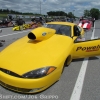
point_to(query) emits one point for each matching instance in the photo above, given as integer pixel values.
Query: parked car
(85, 24)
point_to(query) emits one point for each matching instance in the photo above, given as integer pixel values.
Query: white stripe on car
(85, 25)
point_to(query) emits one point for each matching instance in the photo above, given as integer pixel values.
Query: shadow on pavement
(81, 59)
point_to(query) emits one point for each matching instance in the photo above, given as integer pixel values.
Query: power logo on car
(88, 49)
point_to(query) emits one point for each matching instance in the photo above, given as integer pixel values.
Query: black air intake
(10, 73)
(31, 36)
(41, 33)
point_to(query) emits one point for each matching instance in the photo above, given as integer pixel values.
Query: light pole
(73, 13)
(40, 6)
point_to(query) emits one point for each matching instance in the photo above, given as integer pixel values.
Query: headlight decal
(38, 73)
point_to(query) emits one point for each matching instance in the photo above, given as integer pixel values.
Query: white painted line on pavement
(14, 33)
(92, 37)
(76, 94)
(80, 80)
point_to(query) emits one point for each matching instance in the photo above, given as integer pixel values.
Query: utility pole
(40, 6)
(73, 13)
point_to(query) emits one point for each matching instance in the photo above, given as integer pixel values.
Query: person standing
(41, 20)
(20, 23)
(93, 20)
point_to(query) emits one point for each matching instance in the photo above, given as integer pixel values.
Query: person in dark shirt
(41, 20)
(93, 20)
(20, 23)
(33, 19)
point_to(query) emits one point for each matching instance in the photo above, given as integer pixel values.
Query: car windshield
(60, 29)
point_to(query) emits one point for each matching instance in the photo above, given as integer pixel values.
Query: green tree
(99, 14)
(57, 13)
(86, 13)
(94, 13)
(70, 14)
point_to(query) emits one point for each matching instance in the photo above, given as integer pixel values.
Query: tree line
(93, 12)
(60, 13)
(51, 13)
(7, 11)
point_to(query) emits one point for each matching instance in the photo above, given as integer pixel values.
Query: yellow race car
(20, 28)
(26, 26)
(35, 62)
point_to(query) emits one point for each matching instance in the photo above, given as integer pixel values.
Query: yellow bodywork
(23, 27)
(44, 48)
(17, 28)
(26, 26)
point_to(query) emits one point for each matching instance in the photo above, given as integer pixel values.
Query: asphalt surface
(63, 89)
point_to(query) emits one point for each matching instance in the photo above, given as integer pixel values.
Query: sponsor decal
(43, 34)
(88, 49)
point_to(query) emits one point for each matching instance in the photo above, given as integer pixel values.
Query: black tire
(67, 62)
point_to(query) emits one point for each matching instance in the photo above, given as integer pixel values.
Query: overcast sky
(75, 6)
